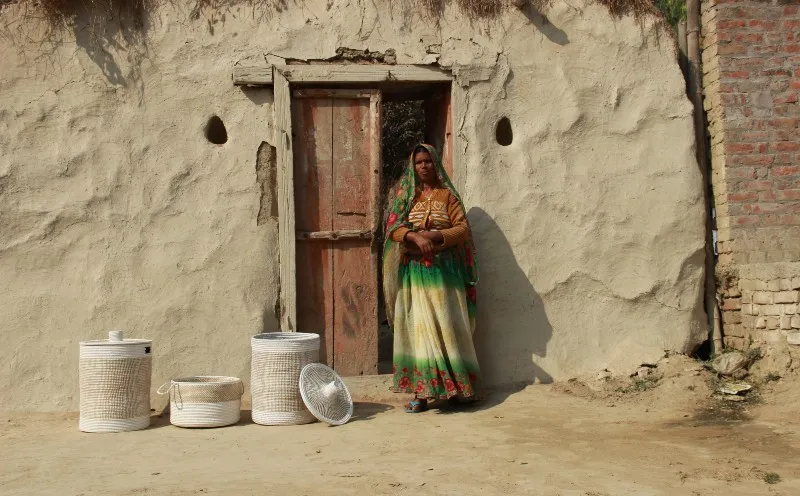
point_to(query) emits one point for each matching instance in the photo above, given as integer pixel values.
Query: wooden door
(336, 184)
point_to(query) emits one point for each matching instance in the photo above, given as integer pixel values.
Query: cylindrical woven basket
(204, 401)
(114, 384)
(278, 358)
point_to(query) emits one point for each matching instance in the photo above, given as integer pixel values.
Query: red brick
(786, 135)
(761, 49)
(775, 38)
(741, 173)
(795, 85)
(736, 74)
(731, 48)
(755, 186)
(744, 220)
(784, 123)
(790, 11)
(790, 220)
(786, 183)
(754, 24)
(754, 135)
(777, 72)
(743, 197)
(733, 98)
(782, 159)
(739, 148)
(752, 160)
(723, 36)
(789, 194)
(738, 209)
(785, 146)
(749, 37)
(732, 304)
(732, 24)
(792, 48)
(785, 171)
(770, 220)
(775, 61)
(741, 64)
(793, 24)
(767, 208)
(748, 124)
(767, 196)
(779, 85)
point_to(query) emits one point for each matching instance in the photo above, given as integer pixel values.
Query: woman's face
(423, 166)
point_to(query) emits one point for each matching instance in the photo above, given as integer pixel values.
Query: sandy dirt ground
(667, 436)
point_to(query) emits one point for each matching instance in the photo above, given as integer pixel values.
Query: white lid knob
(115, 335)
(329, 390)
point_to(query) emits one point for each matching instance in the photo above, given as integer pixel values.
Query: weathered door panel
(313, 178)
(336, 184)
(355, 279)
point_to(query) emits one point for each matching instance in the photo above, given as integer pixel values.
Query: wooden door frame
(286, 78)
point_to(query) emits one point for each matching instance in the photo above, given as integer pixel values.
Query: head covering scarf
(398, 217)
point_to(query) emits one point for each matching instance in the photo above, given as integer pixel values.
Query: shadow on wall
(543, 24)
(512, 328)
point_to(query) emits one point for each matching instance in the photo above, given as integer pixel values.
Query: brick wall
(767, 306)
(751, 78)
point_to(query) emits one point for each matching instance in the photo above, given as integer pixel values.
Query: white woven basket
(278, 358)
(114, 384)
(204, 401)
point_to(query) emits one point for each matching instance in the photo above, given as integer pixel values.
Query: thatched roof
(61, 14)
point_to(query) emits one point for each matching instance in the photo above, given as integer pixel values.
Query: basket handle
(176, 398)
(171, 385)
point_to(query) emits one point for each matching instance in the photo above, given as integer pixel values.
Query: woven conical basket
(277, 359)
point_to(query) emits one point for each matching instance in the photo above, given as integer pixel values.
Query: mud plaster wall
(116, 212)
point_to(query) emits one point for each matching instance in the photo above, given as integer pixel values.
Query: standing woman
(430, 273)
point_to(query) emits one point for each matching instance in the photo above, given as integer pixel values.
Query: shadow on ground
(361, 411)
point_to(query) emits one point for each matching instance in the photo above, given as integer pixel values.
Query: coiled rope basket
(277, 359)
(114, 384)
(204, 401)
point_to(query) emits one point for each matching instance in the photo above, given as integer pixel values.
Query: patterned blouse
(439, 212)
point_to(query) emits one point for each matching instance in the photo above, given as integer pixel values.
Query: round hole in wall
(503, 132)
(215, 131)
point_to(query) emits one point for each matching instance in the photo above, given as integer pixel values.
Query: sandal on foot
(417, 406)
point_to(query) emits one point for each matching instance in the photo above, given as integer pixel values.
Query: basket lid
(325, 394)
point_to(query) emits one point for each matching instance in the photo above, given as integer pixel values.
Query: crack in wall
(651, 293)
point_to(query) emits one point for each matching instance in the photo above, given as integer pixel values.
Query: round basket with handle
(277, 360)
(204, 400)
(114, 376)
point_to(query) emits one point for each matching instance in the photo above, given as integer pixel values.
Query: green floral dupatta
(393, 253)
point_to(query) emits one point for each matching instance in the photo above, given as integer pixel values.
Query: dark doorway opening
(409, 117)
